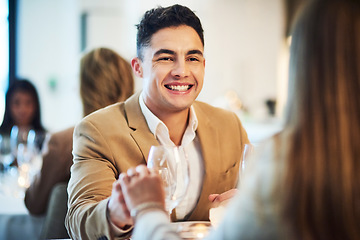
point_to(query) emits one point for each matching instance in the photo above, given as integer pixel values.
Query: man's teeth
(178, 87)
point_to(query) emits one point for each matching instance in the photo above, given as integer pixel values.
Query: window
(4, 49)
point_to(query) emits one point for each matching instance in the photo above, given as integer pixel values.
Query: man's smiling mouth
(180, 88)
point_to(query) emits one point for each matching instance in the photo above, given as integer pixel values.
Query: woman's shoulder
(62, 137)
(66, 132)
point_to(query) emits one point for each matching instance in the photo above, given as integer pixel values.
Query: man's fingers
(212, 197)
(228, 194)
(142, 170)
(131, 172)
(116, 186)
(124, 178)
(218, 198)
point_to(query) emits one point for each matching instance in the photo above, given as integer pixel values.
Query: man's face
(172, 69)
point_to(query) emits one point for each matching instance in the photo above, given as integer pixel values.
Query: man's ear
(136, 66)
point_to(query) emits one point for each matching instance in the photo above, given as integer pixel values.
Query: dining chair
(54, 223)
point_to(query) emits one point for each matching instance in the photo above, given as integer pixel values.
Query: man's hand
(118, 212)
(222, 198)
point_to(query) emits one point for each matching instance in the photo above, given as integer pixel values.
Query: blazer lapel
(136, 120)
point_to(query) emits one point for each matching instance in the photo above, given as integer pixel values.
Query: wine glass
(173, 167)
(247, 152)
(5, 152)
(24, 149)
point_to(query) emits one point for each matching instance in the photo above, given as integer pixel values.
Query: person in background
(105, 78)
(22, 109)
(170, 60)
(304, 183)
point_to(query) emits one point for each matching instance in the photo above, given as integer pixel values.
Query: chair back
(54, 224)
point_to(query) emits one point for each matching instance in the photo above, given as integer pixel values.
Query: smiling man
(170, 60)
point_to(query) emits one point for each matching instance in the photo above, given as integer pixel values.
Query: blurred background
(246, 51)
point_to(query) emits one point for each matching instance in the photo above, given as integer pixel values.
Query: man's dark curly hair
(159, 18)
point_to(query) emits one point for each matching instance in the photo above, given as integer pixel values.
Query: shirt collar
(151, 119)
(156, 125)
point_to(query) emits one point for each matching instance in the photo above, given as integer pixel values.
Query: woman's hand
(141, 185)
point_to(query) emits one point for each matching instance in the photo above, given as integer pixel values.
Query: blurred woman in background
(304, 183)
(22, 110)
(105, 78)
(22, 107)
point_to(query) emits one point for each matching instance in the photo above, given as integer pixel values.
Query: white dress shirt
(191, 145)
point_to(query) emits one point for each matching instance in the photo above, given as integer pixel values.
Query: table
(12, 205)
(15, 221)
(20, 226)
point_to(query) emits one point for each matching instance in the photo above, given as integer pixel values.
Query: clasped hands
(139, 187)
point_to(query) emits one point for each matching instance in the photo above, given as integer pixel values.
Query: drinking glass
(247, 152)
(25, 151)
(6, 157)
(172, 165)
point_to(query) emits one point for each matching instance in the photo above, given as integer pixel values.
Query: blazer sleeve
(106, 143)
(90, 185)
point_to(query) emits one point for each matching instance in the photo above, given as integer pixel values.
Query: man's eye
(165, 59)
(193, 59)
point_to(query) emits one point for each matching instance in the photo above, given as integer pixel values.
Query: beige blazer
(117, 137)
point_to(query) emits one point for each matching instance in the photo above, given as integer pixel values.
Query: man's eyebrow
(167, 51)
(194, 52)
(161, 51)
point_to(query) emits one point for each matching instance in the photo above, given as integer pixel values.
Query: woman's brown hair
(105, 78)
(322, 183)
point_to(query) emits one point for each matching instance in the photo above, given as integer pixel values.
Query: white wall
(48, 51)
(243, 43)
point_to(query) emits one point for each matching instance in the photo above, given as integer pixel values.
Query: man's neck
(176, 124)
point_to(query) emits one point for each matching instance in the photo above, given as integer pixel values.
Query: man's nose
(180, 69)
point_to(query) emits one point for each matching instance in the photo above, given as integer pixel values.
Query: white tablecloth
(15, 221)
(12, 205)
